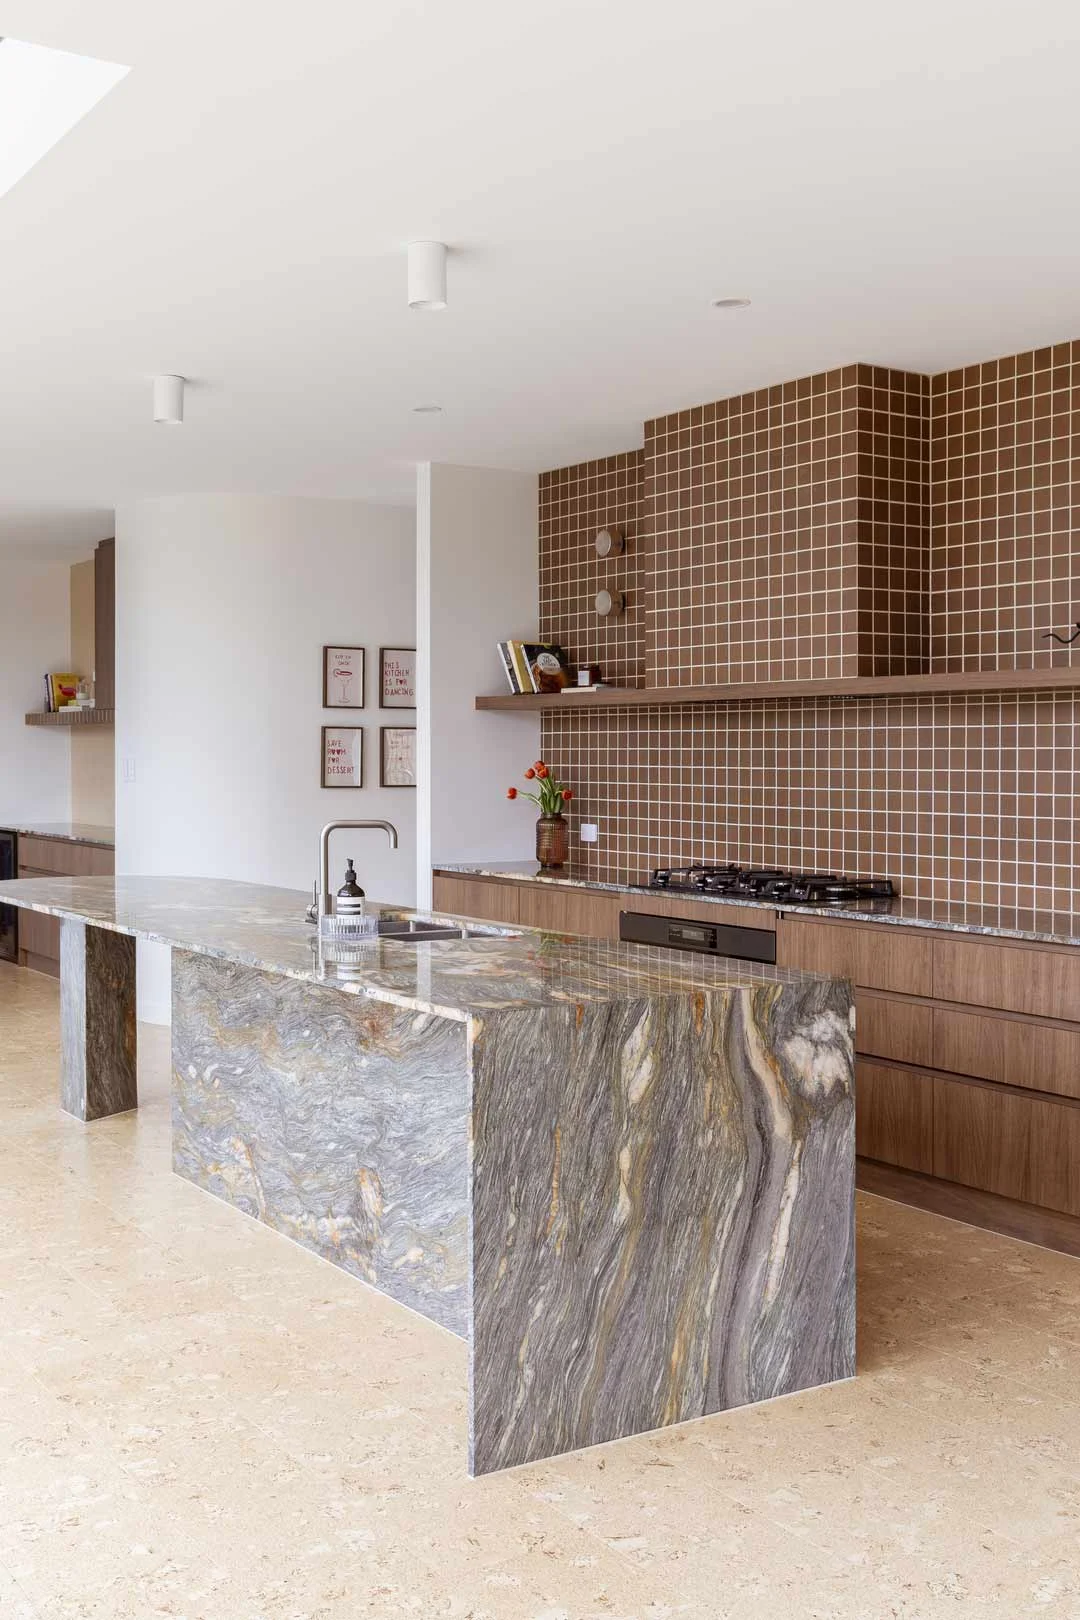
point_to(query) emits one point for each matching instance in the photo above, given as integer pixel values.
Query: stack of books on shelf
(534, 666)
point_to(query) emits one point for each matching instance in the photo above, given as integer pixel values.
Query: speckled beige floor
(199, 1420)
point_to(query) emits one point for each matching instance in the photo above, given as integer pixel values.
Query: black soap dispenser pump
(350, 897)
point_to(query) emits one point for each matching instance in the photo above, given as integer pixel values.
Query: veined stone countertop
(1048, 927)
(64, 832)
(503, 967)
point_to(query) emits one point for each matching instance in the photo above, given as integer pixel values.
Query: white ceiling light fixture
(730, 303)
(427, 275)
(43, 94)
(169, 400)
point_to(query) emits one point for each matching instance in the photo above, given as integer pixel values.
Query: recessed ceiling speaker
(610, 602)
(427, 275)
(611, 542)
(169, 400)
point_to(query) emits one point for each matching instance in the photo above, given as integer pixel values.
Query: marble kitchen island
(624, 1176)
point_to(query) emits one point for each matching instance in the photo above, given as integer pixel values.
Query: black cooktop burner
(771, 883)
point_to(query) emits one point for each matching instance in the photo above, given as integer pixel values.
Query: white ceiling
(894, 184)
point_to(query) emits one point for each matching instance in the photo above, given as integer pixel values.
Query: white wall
(34, 637)
(477, 571)
(224, 604)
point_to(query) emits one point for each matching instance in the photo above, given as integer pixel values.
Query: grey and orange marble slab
(625, 1176)
(341, 1123)
(263, 927)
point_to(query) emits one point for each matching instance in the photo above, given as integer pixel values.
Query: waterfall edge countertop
(497, 967)
(62, 832)
(625, 1177)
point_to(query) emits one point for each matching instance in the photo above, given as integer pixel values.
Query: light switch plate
(590, 832)
(129, 770)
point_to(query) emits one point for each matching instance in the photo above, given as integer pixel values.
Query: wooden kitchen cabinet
(39, 935)
(591, 912)
(1004, 1142)
(1011, 977)
(39, 942)
(483, 898)
(890, 1027)
(884, 957)
(1014, 1051)
(58, 857)
(894, 1115)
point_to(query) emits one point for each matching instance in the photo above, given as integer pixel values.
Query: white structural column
(224, 604)
(476, 531)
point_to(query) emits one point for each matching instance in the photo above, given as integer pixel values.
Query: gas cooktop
(771, 883)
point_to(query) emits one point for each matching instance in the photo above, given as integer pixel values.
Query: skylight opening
(43, 94)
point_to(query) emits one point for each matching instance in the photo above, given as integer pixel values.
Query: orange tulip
(511, 793)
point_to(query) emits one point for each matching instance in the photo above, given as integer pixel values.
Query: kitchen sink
(410, 931)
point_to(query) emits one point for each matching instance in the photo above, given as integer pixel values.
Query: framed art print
(397, 756)
(343, 678)
(342, 756)
(397, 677)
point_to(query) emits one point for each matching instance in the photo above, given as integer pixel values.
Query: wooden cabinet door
(1012, 1051)
(481, 898)
(593, 913)
(889, 1027)
(894, 1115)
(39, 936)
(884, 957)
(1012, 978)
(1003, 1142)
(60, 858)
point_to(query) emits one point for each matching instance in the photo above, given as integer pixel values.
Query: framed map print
(343, 678)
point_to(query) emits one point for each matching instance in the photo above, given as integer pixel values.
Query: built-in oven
(709, 939)
(9, 916)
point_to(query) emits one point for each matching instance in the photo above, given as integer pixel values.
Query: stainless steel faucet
(322, 903)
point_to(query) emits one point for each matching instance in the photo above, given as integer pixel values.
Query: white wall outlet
(128, 774)
(590, 832)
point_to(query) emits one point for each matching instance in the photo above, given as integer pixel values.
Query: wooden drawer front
(1011, 978)
(882, 958)
(473, 897)
(61, 859)
(591, 912)
(708, 911)
(1019, 1147)
(886, 1027)
(1013, 1051)
(39, 935)
(894, 1115)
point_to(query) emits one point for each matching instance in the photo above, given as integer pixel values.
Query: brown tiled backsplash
(575, 503)
(862, 522)
(1005, 561)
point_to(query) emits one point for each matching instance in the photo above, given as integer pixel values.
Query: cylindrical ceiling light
(169, 400)
(427, 275)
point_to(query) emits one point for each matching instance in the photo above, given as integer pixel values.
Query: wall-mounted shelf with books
(969, 683)
(73, 718)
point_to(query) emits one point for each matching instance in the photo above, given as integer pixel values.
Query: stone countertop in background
(66, 832)
(1047, 927)
(264, 927)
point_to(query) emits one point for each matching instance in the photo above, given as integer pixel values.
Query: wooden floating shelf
(73, 719)
(966, 683)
